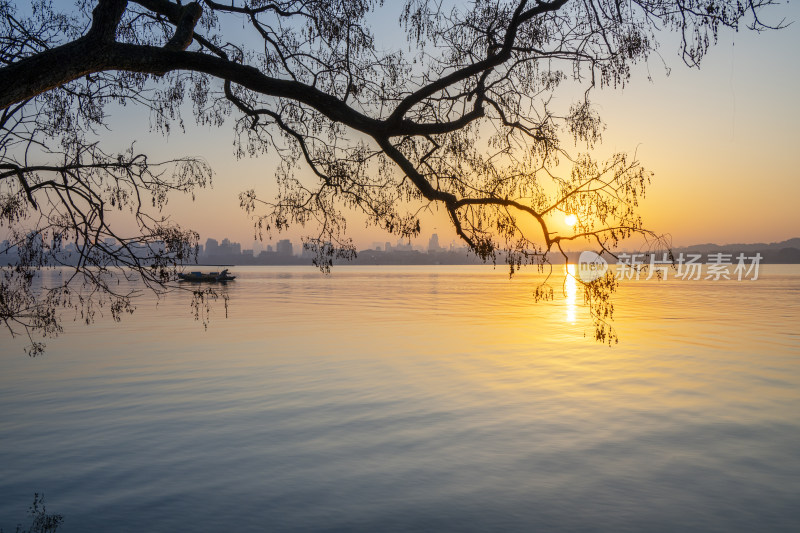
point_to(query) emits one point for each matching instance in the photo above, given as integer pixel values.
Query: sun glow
(570, 292)
(570, 220)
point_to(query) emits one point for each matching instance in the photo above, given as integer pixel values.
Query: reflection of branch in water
(41, 522)
(202, 301)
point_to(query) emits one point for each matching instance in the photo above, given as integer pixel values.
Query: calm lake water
(415, 398)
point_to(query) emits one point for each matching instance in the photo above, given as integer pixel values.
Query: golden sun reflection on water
(570, 292)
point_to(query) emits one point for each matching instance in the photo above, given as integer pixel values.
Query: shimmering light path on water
(393, 399)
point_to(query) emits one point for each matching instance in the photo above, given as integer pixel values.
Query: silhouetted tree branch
(462, 121)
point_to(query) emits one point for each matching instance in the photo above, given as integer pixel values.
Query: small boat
(210, 276)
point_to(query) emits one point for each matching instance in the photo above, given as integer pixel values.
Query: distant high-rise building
(224, 249)
(403, 246)
(284, 247)
(212, 247)
(35, 241)
(433, 243)
(307, 252)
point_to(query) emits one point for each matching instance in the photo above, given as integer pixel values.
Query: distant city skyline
(286, 253)
(286, 247)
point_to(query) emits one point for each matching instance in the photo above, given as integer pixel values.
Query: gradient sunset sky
(722, 142)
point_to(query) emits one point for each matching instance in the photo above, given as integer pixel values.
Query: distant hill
(756, 247)
(776, 252)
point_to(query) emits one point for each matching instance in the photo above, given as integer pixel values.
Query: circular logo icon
(591, 266)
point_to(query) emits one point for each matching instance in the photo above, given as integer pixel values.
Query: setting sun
(570, 220)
